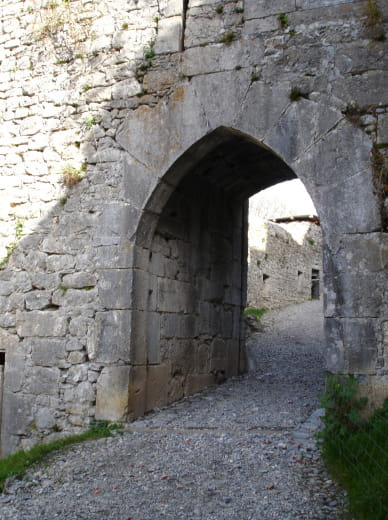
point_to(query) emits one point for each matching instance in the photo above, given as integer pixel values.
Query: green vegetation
(356, 450)
(228, 37)
(72, 176)
(149, 53)
(18, 234)
(239, 10)
(90, 122)
(296, 94)
(374, 20)
(255, 77)
(373, 13)
(124, 26)
(257, 313)
(16, 465)
(282, 17)
(219, 9)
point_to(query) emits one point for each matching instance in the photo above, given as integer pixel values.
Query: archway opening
(284, 247)
(191, 269)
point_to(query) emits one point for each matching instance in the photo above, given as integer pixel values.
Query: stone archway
(189, 284)
(189, 279)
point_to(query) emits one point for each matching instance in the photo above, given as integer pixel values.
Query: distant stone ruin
(284, 263)
(284, 247)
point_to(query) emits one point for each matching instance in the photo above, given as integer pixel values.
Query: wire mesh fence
(356, 449)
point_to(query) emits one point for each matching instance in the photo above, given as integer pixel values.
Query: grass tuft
(16, 465)
(257, 313)
(296, 94)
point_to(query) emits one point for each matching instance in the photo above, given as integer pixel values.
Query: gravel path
(242, 450)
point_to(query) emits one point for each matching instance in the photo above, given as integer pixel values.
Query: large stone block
(169, 35)
(79, 280)
(382, 128)
(46, 352)
(174, 296)
(43, 381)
(157, 386)
(117, 225)
(334, 352)
(195, 383)
(375, 388)
(118, 256)
(363, 89)
(74, 297)
(255, 9)
(312, 4)
(14, 376)
(16, 419)
(171, 7)
(40, 324)
(153, 338)
(181, 355)
(344, 196)
(84, 393)
(137, 391)
(109, 337)
(45, 419)
(139, 338)
(235, 347)
(178, 326)
(202, 60)
(145, 339)
(37, 300)
(113, 387)
(360, 342)
(202, 359)
(354, 276)
(144, 290)
(8, 341)
(115, 288)
(137, 185)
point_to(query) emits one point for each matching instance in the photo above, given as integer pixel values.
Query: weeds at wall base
(356, 451)
(257, 313)
(16, 465)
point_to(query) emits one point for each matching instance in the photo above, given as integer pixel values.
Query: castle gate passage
(128, 153)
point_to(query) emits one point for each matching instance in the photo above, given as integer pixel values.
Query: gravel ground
(242, 450)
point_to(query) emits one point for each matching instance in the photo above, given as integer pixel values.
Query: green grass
(16, 465)
(258, 313)
(282, 17)
(356, 451)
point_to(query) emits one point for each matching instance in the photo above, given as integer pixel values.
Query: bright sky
(285, 199)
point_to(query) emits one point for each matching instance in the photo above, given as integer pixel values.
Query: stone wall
(105, 107)
(282, 260)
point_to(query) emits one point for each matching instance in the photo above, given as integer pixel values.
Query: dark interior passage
(196, 268)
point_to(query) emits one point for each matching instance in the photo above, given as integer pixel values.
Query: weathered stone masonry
(284, 262)
(124, 291)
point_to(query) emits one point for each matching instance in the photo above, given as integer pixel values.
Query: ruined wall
(281, 262)
(128, 96)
